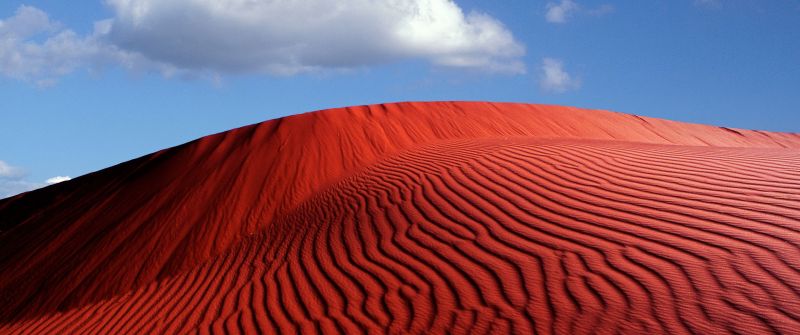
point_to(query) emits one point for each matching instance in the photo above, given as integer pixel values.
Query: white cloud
(560, 12)
(57, 179)
(12, 180)
(37, 49)
(8, 171)
(279, 37)
(555, 79)
(285, 37)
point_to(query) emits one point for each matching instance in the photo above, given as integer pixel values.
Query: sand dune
(422, 218)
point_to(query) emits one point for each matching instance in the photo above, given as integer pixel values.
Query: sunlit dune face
(419, 218)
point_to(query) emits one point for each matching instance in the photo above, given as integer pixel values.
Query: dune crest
(440, 217)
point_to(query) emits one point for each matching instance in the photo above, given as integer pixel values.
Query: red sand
(446, 217)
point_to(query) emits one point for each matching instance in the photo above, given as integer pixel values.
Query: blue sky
(88, 84)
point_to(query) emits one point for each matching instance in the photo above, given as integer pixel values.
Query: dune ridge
(446, 217)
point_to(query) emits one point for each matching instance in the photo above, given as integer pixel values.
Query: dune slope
(448, 217)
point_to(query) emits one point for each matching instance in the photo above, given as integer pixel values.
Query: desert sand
(419, 218)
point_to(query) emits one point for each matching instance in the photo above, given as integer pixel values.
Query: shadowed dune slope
(441, 217)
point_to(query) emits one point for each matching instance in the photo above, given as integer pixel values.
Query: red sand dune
(424, 218)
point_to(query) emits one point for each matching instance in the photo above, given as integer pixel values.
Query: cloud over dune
(13, 180)
(285, 37)
(8, 171)
(554, 79)
(263, 37)
(57, 179)
(35, 48)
